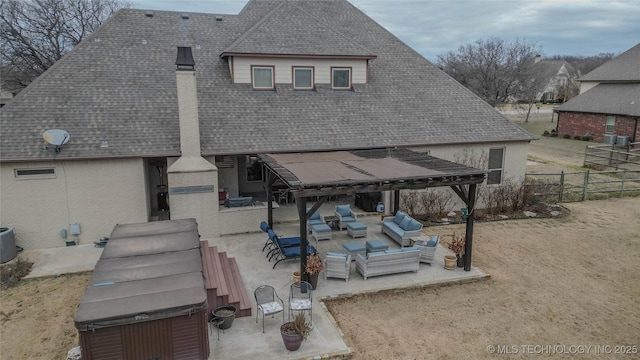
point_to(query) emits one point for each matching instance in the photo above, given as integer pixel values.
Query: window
(496, 158)
(262, 77)
(341, 78)
(46, 173)
(302, 78)
(611, 125)
(254, 169)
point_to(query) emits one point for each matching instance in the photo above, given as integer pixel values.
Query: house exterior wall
(578, 123)
(95, 194)
(586, 85)
(284, 69)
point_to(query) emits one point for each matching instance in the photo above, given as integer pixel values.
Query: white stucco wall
(96, 194)
(514, 163)
(242, 219)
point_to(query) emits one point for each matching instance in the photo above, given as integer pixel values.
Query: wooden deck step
(223, 281)
(237, 292)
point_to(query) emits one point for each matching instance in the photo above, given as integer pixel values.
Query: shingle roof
(119, 85)
(614, 99)
(624, 67)
(273, 35)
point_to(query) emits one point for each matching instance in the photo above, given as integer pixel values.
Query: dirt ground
(559, 288)
(568, 282)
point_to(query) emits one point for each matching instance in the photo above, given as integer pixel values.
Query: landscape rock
(452, 214)
(555, 213)
(529, 214)
(503, 217)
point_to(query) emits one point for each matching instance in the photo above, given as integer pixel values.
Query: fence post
(561, 185)
(585, 186)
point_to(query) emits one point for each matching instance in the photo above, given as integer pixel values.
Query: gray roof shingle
(119, 85)
(614, 99)
(624, 67)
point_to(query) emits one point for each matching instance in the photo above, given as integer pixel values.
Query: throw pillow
(399, 217)
(433, 241)
(405, 223)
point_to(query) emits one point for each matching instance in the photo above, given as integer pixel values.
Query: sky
(434, 27)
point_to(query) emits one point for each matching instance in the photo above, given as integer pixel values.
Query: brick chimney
(193, 181)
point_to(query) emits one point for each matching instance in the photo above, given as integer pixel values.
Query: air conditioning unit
(622, 141)
(7, 244)
(610, 139)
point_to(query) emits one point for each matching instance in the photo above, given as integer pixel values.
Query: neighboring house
(281, 76)
(558, 75)
(609, 101)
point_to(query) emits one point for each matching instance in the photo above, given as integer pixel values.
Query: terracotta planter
(291, 341)
(450, 262)
(296, 276)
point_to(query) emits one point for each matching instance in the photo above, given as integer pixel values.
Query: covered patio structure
(324, 174)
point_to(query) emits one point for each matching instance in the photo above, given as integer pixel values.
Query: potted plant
(457, 247)
(295, 332)
(313, 268)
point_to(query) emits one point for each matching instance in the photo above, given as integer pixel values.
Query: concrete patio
(245, 340)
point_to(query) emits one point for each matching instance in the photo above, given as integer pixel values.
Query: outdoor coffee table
(332, 221)
(376, 245)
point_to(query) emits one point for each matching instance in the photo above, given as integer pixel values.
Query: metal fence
(602, 157)
(582, 185)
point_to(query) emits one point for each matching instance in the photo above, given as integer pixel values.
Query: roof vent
(149, 14)
(185, 16)
(218, 18)
(185, 61)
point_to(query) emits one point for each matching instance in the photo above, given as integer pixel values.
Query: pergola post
(271, 179)
(301, 202)
(396, 202)
(469, 230)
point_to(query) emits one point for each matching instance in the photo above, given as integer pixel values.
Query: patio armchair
(268, 303)
(337, 265)
(428, 249)
(345, 215)
(315, 219)
(300, 298)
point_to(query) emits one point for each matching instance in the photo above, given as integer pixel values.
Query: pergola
(324, 174)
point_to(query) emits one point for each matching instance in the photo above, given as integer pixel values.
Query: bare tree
(34, 34)
(493, 69)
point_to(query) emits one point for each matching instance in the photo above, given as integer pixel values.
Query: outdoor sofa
(401, 228)
(390, 261)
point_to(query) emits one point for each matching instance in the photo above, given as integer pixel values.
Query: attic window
(262, 77)
(341, 78)
(303, 78)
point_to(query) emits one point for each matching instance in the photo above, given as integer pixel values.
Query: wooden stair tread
(244, 302)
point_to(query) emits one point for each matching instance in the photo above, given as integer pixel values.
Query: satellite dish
(56, 137)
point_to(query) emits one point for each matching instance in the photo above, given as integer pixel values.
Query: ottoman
(354, 248)
(356, 229)
(321, 232)
(376, 245)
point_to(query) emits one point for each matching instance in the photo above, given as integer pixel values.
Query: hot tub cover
(144, 277)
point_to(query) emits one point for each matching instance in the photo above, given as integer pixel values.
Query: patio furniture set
(372, 258)
(269, 303)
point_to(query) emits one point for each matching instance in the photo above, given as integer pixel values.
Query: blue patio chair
(277, 242)
(290, 253)
(315, 219)
(345, 215)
